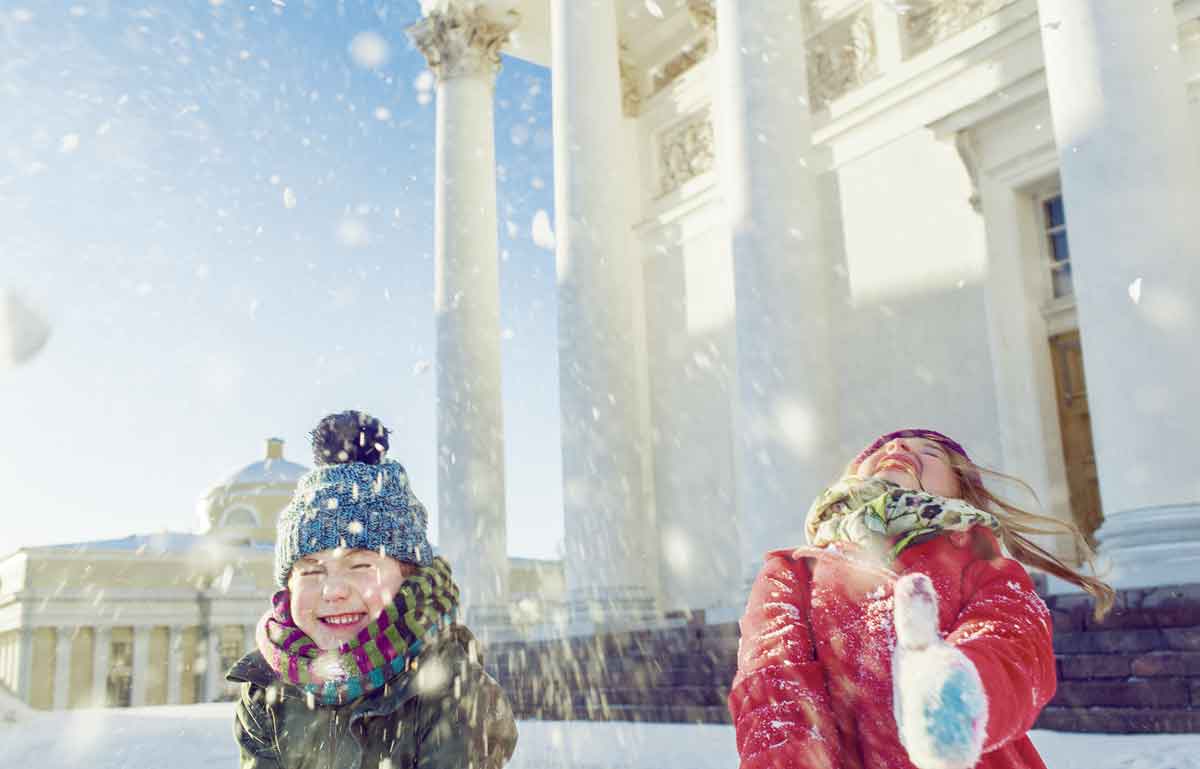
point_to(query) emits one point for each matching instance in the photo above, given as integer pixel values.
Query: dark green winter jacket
(446, 713)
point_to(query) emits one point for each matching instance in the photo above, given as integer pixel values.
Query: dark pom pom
(350, 436)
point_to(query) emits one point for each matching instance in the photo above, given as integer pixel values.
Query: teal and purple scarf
(425, 601)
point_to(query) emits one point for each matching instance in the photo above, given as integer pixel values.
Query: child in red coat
(901, 636)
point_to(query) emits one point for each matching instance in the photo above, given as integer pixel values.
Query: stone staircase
(1137, 671)
(670, 675)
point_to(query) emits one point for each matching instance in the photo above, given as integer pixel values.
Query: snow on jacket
(814, 686)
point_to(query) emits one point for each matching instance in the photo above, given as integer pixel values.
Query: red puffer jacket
(814, 685)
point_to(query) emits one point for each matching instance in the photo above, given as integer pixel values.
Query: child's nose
(334, 589)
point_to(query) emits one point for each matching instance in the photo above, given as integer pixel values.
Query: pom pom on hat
(351, 436)
(353, 498)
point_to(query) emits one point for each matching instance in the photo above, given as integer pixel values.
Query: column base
(614, 607)
(1150, 547)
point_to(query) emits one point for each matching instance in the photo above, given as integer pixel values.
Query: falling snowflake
(69, 143)
(353, 233)
(541, 231)
(420, 367)
(1135, 291)
(654, 8)
(369, 50)
(424, 84)
(289, 197)
(383, 114)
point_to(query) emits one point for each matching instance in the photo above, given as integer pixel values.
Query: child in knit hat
(360, 662)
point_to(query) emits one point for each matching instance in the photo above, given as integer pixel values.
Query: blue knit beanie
(353, 498)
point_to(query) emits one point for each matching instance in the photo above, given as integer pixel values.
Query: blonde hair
(1016, 524)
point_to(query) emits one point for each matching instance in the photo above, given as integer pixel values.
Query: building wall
(909, 312)
(692, 359)
(156, 667)
(79, 693)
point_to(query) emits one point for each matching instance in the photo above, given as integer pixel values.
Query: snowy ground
(199, 737)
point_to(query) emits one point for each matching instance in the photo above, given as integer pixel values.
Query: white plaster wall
(692, 359)
(910, 332)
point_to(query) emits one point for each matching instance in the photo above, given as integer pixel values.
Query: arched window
(240, 516)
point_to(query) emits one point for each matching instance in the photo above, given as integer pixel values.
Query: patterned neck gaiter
(886, 519)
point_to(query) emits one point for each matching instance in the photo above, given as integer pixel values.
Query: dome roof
(267, 471)
(274, 469)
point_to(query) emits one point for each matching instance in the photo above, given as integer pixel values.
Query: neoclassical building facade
(786, 226)
(157, 619)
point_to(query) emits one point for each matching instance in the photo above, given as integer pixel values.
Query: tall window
(1054, 223)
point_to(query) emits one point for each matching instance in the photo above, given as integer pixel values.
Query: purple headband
(932, 435)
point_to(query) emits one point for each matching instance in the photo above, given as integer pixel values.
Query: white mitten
(937, 695)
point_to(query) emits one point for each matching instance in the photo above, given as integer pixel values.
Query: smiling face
(920, 464)
(335, 593)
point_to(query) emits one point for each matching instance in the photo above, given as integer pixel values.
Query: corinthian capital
(458, 37)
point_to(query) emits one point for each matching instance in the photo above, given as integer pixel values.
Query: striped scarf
(381, 651)
(886, 519)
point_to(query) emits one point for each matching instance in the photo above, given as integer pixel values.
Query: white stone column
(62, 667)
(25, 664)
(1131, 181)
(174, 664)
(785, 404)
(609, 544)
(101, 651)
(212, 664)
(141, 658)
(249, 644)
(462, 45)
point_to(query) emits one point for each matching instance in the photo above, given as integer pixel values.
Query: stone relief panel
(932, 21)
(673, 68)
(818, 13)
(685, 151)
(841, 58)
(631, 89)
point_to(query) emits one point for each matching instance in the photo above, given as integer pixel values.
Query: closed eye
(363, 566)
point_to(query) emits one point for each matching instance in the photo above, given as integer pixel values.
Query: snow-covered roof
(267, 471)
(161, 542)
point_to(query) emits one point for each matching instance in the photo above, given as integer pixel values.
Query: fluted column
(101, 651)
(609, 543)
(62, 667)
(174, 663)
(1130, 171)
(462, 43)
(785, 404)
(212, 664)
(25, 664)
(141, 659)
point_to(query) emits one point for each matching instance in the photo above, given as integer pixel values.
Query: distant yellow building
(157, 619)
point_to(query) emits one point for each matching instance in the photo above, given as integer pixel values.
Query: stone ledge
(1119, 720)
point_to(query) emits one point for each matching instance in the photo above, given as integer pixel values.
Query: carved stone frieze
(932, 21)
(631, 89)
(688, 57)
(458, 38)
(685, 151)
(841, 58)
(818, 13)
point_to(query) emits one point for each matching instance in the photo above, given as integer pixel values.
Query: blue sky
(228, 220)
